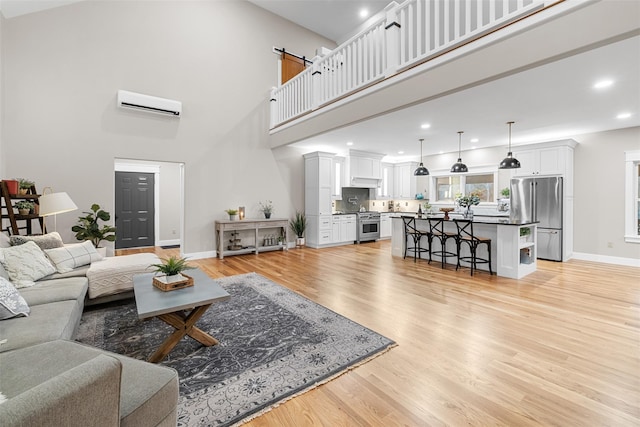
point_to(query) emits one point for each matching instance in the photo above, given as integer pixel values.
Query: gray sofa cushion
(148, 394)
(76, 272)
(43, 292)
(46, 322)
(85, 394)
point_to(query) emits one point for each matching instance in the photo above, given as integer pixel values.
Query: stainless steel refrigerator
(540, 199)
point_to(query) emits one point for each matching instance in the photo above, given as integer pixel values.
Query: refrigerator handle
(532, 201)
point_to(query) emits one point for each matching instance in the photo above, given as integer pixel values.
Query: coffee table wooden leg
(185, 325)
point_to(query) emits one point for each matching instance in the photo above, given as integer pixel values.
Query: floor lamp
(54, 204)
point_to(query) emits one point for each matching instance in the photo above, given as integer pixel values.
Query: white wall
(64, 66)
(600, 193)
(2, 155)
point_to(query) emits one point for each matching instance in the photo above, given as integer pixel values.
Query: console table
(254, 232)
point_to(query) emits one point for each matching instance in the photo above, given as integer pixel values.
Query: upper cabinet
(385, 189)
(318, 169)
(552, 158)
(364, 169)
(404, 181)
(337, 177)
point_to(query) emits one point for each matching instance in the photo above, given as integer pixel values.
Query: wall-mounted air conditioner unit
(152, 104)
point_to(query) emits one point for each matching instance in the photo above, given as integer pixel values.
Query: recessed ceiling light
(349, 143)
(400, 152)
(364, 13)
(425, 126)
(603, 84)
(623, 116)
(474, 140)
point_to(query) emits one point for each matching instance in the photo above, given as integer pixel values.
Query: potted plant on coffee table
(89, 229)
(24, 207)
(171, 277)
(299, 225)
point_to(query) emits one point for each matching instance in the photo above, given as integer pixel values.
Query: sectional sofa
(47, 379)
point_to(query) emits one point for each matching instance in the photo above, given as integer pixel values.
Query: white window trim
(632, 163)
(473, 171)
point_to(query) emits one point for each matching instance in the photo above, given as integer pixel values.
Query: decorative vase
(267, 215)
(23, 191)
(23, 211)
(468, 213)
(12, 186)
(233, 217)
(300, 241)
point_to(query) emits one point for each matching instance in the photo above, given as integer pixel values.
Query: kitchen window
(632, 192)
(448, 186)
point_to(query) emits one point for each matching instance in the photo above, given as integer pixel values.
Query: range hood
(364, 182)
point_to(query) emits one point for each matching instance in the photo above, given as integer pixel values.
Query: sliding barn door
(291, 66)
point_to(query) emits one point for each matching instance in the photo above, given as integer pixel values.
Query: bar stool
(410, 230)
(465, 235)
(436, 231)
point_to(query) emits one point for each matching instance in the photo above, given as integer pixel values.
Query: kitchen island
(513, 256)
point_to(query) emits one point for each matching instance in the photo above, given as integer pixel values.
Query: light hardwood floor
(560, 347)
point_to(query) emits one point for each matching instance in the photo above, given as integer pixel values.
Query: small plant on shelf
(525, 231)
(172, 266)
(267, 208)
(24, 185)
(24, 207)
(233, 214)
(505, 192)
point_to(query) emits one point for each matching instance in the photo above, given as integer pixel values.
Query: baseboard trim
(201, 255)
(168, 242)
(629, 262)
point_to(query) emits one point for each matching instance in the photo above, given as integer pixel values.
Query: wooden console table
(257, 243)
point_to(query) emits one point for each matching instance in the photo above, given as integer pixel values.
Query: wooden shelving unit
(8, 212)
(256, 243)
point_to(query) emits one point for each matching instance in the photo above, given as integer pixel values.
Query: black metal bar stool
(436, 231)
(411, 230)
(465, 235)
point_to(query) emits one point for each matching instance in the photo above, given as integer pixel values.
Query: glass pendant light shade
(459, 167)
(421, 171)
(509, 162)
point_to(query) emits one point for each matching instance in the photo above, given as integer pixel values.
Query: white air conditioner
(152, 104)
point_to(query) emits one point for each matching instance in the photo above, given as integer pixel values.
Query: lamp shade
(56, 203)
(509, 162)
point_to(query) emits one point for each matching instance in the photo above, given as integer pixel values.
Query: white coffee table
(180, 308)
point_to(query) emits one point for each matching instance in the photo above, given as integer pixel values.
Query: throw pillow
(4, 240)
(11, 302)
(46, 241)
(74, 255)
(25, 264)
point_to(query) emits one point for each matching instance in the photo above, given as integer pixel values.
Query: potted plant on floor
(89, 229)
(171, 276)
(24, 207)
(299, 225)
(233, 214)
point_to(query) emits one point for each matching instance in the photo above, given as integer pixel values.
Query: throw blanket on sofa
(113, 275)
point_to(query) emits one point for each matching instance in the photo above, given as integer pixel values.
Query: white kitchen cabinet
(344, 228)
(386, 190)
(364, 169)
(542, 161)
(404, 180)
(337, 177)
(318, 171)
(385, 225)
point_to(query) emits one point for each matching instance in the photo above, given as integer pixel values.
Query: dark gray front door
(134, 210)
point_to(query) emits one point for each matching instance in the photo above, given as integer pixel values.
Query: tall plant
(89, 229)
(299, 224)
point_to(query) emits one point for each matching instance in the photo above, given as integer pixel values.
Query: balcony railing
(407, 35)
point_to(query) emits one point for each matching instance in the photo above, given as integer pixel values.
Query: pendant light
(459, 167)
(509, 162)
(421, 171)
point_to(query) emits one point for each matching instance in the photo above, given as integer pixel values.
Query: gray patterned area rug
(274, 344)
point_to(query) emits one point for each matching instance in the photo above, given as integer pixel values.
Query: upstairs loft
(423, 49)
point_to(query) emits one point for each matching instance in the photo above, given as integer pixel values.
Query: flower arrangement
(266, 207)
(466, 201)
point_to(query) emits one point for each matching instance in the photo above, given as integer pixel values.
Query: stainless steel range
(368, 226)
